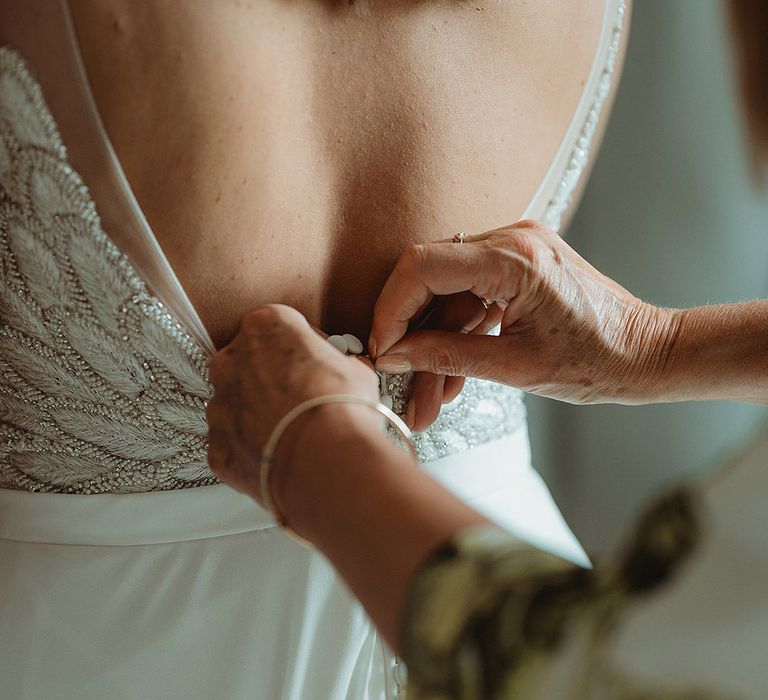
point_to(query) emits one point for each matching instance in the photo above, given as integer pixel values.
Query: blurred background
(671, 213)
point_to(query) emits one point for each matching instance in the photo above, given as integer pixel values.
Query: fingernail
(394, 364)
(372, 347)
(410, 414)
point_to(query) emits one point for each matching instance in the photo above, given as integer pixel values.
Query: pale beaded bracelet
(268, 453)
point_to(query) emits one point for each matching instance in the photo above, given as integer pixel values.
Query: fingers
(218, 447)
(441, 352)
(421, 273)
(452, 388)
(426, 400)
(271, 318)
(219, 370)
(494, 265)
(460, 313)
(221, 441)
(321, 333)
(491, 319)
(365, 360)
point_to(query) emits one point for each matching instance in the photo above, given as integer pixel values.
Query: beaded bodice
(102, 390)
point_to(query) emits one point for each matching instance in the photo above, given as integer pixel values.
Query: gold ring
(459, 238)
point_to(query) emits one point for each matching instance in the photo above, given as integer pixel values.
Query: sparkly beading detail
(101, 389)
(579, 157)
(483, 412)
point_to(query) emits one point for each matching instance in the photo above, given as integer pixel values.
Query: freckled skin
(615, 346)
(289, 152)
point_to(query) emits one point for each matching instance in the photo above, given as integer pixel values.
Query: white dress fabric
(126, 571)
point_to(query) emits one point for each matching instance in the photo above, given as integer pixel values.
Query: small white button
(354, 345)
(339, 342)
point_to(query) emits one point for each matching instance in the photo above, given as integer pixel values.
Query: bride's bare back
(288, 151)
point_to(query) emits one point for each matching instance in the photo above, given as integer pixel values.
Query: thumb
(443, 352)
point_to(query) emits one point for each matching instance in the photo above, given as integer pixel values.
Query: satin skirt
(195, 594)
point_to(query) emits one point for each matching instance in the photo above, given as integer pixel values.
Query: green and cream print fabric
(491, 618)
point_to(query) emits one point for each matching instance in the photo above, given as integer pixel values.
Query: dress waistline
(129, 519)
(494, 469)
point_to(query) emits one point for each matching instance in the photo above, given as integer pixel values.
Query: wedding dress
(126, 570)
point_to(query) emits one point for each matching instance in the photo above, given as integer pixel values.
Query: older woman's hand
(567, 331)
(276, 361)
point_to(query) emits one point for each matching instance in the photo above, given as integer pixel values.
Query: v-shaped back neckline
(164, 281)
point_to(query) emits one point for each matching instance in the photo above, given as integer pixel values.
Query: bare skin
(566, 330)
(337, 478)
(288, 152)
(352, 476)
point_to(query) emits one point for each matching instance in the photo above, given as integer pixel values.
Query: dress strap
(555, 193)
(137, 239)
(43, 33)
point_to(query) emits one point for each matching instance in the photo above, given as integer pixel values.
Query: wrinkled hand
(458, 313)
(276, 361)
(567, 331)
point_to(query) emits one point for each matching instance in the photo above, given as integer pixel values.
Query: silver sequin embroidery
(101, 389)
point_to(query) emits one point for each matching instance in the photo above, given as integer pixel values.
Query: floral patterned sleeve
(491, 618)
